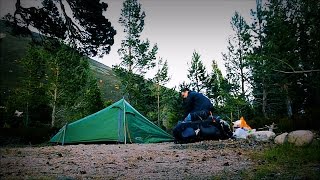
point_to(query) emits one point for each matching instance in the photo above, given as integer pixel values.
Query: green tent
(119, 122)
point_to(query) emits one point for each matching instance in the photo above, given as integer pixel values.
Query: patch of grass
(286, 162)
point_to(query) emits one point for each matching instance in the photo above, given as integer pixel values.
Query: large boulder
(300, 137)
(281, 139)
(262, 136)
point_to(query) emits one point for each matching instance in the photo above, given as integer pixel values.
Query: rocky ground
(201, 160)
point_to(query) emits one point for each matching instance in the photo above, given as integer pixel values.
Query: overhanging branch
(297, 72)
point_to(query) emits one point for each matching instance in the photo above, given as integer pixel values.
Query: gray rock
(282, 138)
(262, 136)
(300, 137)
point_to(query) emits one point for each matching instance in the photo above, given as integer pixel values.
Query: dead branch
(297, 72)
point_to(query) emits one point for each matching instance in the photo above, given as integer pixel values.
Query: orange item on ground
(243, 124)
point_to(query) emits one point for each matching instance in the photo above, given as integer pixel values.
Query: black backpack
(213, 128)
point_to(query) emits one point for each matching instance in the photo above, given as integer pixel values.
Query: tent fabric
(119, 122)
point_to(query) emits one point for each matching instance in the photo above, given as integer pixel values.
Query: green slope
(13, 48)
(108, 81)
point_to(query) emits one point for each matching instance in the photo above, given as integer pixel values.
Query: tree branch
(297, 72)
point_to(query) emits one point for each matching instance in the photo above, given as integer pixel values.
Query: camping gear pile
(242, 129)
(213, 128)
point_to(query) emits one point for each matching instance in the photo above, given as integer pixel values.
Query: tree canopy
(80, 23)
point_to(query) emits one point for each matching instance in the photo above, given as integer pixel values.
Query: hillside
(108, 81)
(13, 48)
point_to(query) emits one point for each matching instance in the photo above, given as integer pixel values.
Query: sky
(178, 27)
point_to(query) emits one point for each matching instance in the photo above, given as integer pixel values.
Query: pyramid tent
(119, 122)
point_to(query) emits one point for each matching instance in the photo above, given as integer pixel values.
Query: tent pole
(64, 133)
(124, 122)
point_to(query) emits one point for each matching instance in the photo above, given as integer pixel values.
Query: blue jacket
(196, 102)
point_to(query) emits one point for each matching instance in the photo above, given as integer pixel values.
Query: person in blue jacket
(196, 105)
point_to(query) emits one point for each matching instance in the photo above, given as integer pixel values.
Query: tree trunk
(241, 65)
(158, 91)
(27, 115)
(130, 63)
(55, 97)
(54, 104)
(288, 102)
(242, 81)
(264, 100)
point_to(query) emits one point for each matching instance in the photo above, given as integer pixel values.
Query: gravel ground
(201, 160)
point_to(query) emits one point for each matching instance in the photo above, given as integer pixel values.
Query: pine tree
(217, 86)
(197, 73)
(173, 111)
(87, 30)
(31, 93)
(67, 75)
(55, 83)
(136, 55)
(284, 42)
(160, 79)
(235, 58)
(289, 51)
(92, 97)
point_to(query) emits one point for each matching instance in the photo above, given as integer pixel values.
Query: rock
(226, 164)
(282, 138)
(300, 137)
(262, 136)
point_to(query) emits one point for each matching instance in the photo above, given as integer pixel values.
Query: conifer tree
(197, 73)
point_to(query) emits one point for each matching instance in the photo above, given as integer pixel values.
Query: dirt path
(201, 160)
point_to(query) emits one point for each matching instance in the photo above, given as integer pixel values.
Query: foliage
(172, 111)
(235, 59)
(140, 95)
(197, 73)
(58, 81)
(85, 28)
(92, 97)
(288, 51)
(13, 52)
(160, 79)
(162, 76)
(184, 85)
(217, 87)
(279, 62)
(30, 96)
(137, 55)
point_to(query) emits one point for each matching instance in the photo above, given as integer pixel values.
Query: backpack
(213, 128)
